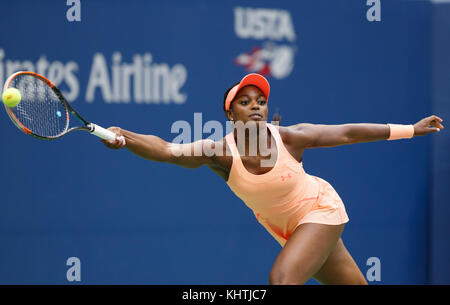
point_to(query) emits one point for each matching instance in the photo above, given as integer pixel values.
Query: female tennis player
(302, 212)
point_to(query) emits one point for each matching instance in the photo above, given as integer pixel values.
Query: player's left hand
(428, 125)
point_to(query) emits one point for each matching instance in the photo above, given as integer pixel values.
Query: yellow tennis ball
(11, 97)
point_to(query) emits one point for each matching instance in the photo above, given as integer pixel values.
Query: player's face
(250, 104)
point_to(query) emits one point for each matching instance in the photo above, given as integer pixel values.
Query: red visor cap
(253, 79)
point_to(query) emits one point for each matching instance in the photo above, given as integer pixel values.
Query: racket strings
(39, 110)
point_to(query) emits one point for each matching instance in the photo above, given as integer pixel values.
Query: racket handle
(101, 132)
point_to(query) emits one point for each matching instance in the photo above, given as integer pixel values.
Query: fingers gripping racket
(43, 112)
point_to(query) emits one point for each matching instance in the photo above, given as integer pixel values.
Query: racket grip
(101, 132)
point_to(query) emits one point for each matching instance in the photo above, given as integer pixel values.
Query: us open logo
(275, 55)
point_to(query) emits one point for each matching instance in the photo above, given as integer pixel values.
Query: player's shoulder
(293, 129)
(221, 158)
(295, 133)
(299, 126)
(219, 147)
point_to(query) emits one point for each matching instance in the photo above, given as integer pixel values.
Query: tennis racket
(43, 112)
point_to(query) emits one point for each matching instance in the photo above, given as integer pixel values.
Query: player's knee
(353, 277)
(280, 277)
(361, 281)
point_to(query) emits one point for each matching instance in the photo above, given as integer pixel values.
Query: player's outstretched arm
(154, 148)
(316, 135)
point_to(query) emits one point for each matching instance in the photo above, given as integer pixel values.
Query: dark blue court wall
(439, 272)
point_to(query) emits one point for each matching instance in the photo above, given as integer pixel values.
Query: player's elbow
(332, 141)
(190, 165)
(187, 162)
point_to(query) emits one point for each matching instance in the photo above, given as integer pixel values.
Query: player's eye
(244, 102)
(262, 102)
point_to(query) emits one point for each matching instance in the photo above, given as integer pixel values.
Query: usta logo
(270, 59)
(261, 23)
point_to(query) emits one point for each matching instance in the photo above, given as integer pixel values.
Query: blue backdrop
(144, 65)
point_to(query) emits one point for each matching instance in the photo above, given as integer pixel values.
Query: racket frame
(87, 126)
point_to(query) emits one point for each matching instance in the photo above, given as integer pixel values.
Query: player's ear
(229, 114)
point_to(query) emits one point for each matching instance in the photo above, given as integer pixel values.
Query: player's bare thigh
(340, 268)
(304, 253)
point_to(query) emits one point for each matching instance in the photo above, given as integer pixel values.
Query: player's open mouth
(255, 115)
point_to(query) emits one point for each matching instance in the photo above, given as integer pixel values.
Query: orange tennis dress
(286, 196)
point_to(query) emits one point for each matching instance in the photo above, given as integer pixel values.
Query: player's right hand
(119, 142)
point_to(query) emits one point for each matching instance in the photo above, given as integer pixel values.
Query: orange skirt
(327, 209)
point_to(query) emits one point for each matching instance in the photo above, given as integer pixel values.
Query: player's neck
(252, 141)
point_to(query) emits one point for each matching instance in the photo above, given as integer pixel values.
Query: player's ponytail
(276, 117)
